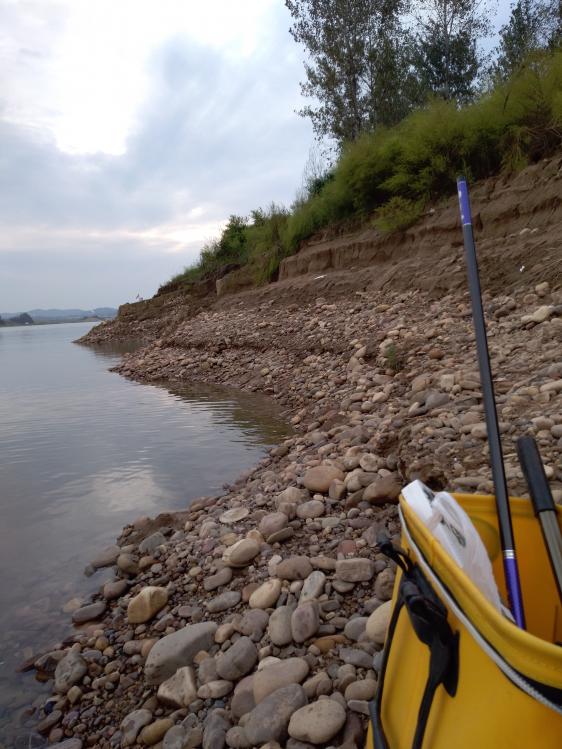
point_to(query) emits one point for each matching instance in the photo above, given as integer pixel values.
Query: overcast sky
(129, 131)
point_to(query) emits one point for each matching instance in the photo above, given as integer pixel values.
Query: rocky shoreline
(257, 619)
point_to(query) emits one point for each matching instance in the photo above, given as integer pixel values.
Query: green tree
(356, 69)
(447, 54)
(529, 28)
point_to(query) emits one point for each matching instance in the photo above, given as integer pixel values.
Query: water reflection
(82, 452)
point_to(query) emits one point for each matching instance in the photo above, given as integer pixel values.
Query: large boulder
(177, 650)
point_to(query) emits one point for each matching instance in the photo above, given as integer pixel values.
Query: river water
(83, 452)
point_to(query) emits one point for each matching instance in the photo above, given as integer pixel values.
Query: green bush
(393, 173)
(398, 214)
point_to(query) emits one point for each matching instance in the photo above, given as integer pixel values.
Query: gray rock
(67, 744)
(238, 660)
(106, 558)
(361, 690)
(180, 690)
(318, 722)
(237, 739)
(279, 627)
(305, 621)
(253, 624)
(132, 725)
(89, 612)
(243, 698)
(294, 568)
(241, 553)
(356, 657)
(214, 690)
(271, 678)
(178, 649)
(114, 589)
(272, 523)
(152, 542)
(355, 570)
(313, 587)
(319, 478)
(224, 601)
(269, 720)
(214, 733)
(355, 628)
(69, 671)
(384, 584)
(175, 738)
(223, 577)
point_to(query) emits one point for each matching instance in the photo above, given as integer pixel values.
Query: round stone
(146, 604)
(241, 553)
(318, 722)
(319, 478)
(266, 595)
(377, 623)
(234, 515)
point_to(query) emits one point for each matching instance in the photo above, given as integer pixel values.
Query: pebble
(269, 720)
(224, 601)
(176, 650)
(69, 671)
(146, 604)
(241, 553)
(132, 725)
(355, 570)
(89, 612)
(377, 623)
(279, 627)
(180, 690)
(266, 595)
(318, 722)
(294, 568)
(271, 678)
(155, 732)
(305, 621)
(238, 660)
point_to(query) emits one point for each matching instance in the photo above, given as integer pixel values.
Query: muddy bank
(257, 619)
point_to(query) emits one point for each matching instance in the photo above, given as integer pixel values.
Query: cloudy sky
(129, 131)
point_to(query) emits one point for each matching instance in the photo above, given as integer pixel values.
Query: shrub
(398, 214)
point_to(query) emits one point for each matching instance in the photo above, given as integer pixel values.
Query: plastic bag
(452, 527)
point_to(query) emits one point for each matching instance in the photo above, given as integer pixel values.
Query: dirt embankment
(257, 618)
(518, 228)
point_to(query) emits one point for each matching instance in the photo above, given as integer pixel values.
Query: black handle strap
(428, 617)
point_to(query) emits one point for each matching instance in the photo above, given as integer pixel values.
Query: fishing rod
(543, 503)
(511, 568)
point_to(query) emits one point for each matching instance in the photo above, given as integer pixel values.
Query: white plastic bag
(452, 527)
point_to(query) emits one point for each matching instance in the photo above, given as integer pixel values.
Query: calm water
(82, 452)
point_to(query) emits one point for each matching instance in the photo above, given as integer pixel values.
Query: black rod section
(511, 568)
(543, 503)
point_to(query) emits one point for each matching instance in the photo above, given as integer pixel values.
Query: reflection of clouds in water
(117, 490)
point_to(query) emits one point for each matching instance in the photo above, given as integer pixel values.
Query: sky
(129, 131)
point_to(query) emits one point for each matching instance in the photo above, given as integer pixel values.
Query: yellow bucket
(501, 686)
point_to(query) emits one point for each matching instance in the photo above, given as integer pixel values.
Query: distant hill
(58, 315)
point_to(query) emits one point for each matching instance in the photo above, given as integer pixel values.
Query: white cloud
(130, 131)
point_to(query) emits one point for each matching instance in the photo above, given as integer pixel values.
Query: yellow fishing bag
(455, 673)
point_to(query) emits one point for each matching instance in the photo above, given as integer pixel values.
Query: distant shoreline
(36, 323)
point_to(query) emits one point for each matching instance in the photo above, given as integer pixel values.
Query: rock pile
(258, 620)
